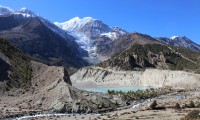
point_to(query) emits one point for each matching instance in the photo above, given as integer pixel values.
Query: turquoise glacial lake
(123, 89)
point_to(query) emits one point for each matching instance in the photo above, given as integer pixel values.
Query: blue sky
(154, 17)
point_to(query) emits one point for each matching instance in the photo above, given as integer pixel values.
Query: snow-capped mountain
(75, 24)
(90, 38)
(173, 37)
(88, 31)
(25, 12)
(87, 25)
(180, 41)
(185, 42)
(41, 39)
(5, 10)
(90, 26)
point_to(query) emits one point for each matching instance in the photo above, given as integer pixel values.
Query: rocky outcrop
(51, 92)
(96, 76)
(4, 70)
(4, 67)
(162, 78)
(54, 85)
(105, 77)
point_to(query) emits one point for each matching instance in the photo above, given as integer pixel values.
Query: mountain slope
(14, 67)
(29, 86)
(113, 47)
(34, 35)
(119, 45)
(140, 57)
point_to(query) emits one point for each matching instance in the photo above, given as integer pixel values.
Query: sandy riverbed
(140, 111)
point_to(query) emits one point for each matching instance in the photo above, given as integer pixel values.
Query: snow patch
(174, 37)
(111, 35)
(119, 30)
(5, 10)
(115, 33)
(85, 43)
(25, 12)
(75, 23)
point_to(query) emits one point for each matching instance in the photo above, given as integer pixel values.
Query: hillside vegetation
(18, 66)
(140, 57)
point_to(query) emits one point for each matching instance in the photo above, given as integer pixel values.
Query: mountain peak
(75, 23)
(5, 10)
(25, 12)
(24, 9)
(74, 19)
(118, 29)
(174, 37)
(80, 19)
(179, 38)
(81, 22)
(88, 18)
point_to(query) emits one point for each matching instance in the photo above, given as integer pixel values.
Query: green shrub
(20, 75)
(192, 105)
(186, 106)
(177, 106)
(198, 105)
(193, 115)
(153, 105)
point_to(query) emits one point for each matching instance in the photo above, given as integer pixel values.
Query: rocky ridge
(180, 41)
(141, 57)
(96, 76)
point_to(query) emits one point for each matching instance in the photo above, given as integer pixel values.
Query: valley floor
(139, 112)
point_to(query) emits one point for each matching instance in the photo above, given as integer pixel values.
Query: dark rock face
(14, 67)
(4, 68)
(103, 44)
(67, 77)
(35, 38)
(94, 28)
